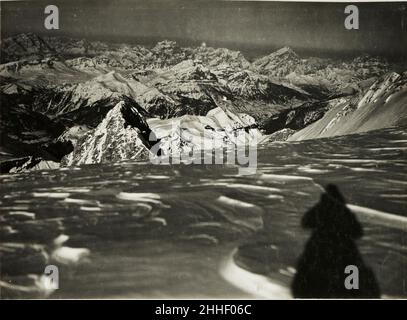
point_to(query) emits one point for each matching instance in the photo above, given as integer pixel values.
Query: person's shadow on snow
(331, 265)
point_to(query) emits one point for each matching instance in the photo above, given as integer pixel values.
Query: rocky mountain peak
(123, 134)
(279, 63)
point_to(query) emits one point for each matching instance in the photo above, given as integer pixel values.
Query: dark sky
(246, 25)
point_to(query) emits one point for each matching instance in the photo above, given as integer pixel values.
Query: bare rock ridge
(88, 101)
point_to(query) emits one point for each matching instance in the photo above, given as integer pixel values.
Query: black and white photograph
(203, 150)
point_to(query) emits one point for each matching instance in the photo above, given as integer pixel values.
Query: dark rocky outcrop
(296, 118)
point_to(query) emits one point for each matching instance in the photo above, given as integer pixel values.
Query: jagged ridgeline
(68, 102)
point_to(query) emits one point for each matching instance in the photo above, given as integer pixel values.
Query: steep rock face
(383, 105)
(122, 135)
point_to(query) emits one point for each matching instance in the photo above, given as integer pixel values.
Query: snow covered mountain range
(76, 102)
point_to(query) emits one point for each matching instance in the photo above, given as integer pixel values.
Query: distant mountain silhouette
(331, 248)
